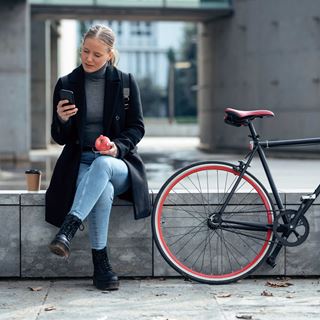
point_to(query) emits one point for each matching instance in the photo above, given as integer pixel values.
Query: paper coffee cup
(33, 178)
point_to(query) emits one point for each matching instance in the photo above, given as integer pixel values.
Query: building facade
(142, 46)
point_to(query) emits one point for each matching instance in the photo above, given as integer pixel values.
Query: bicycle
(214, 222)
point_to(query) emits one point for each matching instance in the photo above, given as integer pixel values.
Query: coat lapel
(112, 97)
(77, 82)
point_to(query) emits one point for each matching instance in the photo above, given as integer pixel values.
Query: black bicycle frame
(258, 146)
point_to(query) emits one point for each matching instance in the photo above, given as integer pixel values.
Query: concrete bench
(24, 239)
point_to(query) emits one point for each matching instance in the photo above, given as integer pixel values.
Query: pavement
(160, 299)
(164, 155)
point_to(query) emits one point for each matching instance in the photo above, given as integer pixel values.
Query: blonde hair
(107, 36)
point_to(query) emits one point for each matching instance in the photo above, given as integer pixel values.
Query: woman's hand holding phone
(66, 107)
(65, 110)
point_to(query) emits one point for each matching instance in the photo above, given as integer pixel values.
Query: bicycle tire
(180, 223)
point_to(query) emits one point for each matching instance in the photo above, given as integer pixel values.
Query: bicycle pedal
(308, 197)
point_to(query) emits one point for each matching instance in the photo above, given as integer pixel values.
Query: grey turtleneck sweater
(95, 89)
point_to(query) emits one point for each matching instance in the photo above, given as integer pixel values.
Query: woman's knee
(103, 164)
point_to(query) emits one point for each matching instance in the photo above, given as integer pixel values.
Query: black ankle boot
(60, 245)
(103, 277)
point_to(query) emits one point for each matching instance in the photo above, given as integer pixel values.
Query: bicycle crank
(286, 232)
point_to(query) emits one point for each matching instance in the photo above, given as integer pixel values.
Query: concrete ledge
(24, 239)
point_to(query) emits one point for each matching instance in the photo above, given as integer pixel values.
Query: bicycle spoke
(182, 208)
(228, 253)
(234, 248)
(193, 251)
(226, 192)
(249, 246)
(251, 236)
(176, 193)
(188, 211)
(173, 243)
(203, 252)
(181, 234)
(204, 202)
(210, 251)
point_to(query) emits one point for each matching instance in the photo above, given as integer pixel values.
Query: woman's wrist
(62, 120)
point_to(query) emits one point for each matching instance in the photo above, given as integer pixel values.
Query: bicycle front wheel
(189, 232)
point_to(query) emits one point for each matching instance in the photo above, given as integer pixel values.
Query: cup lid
(33, 171)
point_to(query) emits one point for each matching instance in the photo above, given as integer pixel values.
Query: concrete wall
(265, 56)
(24, 239)
(15, 124)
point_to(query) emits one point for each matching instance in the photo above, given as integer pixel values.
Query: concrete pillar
(205, 73)
(40, 84)
(54, 34)
(14, 80)
(266, 56)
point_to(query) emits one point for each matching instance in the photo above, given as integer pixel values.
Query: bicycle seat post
(253, 132)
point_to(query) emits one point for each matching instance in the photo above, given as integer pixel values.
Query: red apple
(102, 143)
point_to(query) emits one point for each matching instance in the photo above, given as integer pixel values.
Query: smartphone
(67, 95)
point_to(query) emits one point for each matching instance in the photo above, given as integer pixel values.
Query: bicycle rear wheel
(206, 251)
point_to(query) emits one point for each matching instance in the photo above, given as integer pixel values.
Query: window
(140, 28)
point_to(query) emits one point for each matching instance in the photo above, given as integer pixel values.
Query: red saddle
(239, 118)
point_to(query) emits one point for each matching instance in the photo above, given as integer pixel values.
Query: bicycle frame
(258, 147)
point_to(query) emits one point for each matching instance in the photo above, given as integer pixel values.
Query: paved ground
(164, 155)
(160, 299)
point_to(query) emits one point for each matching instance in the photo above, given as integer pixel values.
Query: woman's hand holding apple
(113, 151)
(105, 146)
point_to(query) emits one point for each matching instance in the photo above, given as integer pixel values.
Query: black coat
(123, 126)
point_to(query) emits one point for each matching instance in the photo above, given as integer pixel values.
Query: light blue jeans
(100, 178)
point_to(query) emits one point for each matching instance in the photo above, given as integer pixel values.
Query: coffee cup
(33, 177)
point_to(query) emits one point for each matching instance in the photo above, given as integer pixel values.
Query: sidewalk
(160, 299)
(164, 155)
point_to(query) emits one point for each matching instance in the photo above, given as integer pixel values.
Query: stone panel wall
(24, 239)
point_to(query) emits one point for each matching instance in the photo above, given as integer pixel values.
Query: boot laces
(103, 260)
(70, 226)
(106, 263)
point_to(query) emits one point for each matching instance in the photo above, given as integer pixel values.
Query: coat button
(117, 117)
(77, 141)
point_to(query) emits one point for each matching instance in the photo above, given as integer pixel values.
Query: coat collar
(77, 75)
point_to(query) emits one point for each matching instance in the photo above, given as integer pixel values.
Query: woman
(84, 181)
